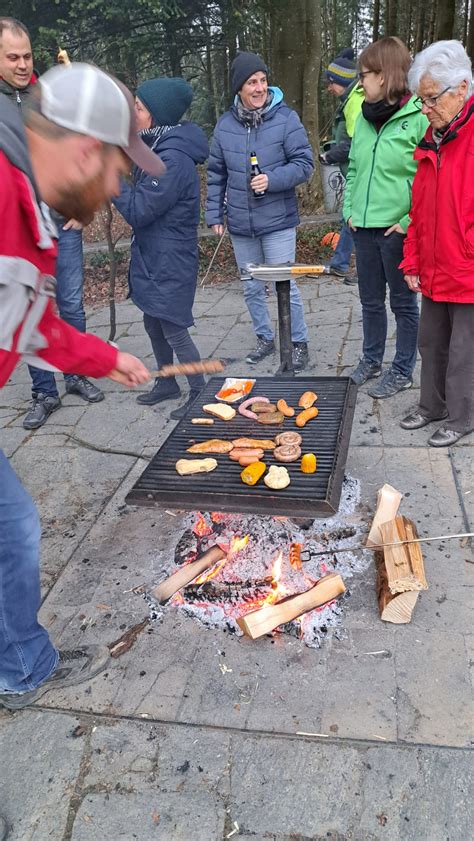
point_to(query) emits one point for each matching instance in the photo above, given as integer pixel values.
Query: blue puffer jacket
(284, 154)
(164, 215)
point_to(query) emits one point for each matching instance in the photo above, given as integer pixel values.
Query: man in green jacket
(342, 82)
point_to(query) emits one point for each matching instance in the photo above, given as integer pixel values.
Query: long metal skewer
(397, 543)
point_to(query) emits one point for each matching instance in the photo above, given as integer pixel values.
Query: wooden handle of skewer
(203, 366)
(307, 270)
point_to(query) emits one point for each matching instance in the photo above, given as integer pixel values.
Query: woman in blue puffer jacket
(164, 216)
(263, 230)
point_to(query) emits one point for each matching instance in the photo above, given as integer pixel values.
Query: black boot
(164, 389)
(181, 411)
(300, 355)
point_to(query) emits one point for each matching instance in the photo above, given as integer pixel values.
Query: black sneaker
(351, 281)
(164, 389)
(84, 388)
(365, 371)
(300, 355)
(335, 272)
(73, 667)
(264, 348)
(40, 411)
(180, 412)
(389, 384)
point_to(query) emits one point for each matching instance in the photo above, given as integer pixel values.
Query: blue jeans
(378, 258)
(70, 281)
(168, 338)
(278, 247)
(27, 656)
(342, 255)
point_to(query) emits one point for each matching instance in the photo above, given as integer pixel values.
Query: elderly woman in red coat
(439, 247)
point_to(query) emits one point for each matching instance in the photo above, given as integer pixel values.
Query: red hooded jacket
(439, 246)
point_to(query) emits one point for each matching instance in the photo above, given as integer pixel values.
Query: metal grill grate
(311, 495)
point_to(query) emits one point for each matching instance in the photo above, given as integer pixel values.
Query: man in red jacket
(439, 247)
(80, 134)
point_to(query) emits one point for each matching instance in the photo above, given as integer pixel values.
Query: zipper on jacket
(247, 159)
(371, 173)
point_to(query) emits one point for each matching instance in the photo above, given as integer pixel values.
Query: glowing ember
(201, 528)
(217, 517)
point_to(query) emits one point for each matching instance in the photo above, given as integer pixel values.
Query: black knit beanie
(243, 66)
(342, 69)
(166, 99)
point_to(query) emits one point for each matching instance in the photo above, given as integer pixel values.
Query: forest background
(199, 40)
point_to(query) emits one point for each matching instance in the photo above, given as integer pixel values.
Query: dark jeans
(447, 363)
(342, 255)
(167, 338)
(378, 258)
(70, 281)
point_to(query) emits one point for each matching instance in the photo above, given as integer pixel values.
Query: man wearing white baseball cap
(79, 131)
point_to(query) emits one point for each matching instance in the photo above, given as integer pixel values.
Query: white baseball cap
(84, 99)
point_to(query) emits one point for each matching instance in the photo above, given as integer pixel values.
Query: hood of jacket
(277, 100)
(13, 138)
(187, 138)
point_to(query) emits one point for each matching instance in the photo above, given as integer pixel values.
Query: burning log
(404, 564)
(187, 548)
(267, 618)
(186, 574)
(229, 591)
(388, 501)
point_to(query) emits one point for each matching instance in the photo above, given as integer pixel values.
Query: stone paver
(170, 746)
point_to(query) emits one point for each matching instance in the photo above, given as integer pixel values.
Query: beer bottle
(255, 170)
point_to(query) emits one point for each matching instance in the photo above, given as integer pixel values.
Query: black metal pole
(284, 327)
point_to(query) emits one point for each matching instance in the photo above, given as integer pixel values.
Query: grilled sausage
(286, 410)
(288, 438)
(306, 415)
(287, 452)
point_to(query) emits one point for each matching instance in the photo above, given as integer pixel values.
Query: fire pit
(264, 560)
(307, 496)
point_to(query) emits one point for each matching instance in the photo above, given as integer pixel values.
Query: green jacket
(381, 169)
(345, 118)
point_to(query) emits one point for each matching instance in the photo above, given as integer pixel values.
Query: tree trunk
(465, 18)
(296, 52)
(376, 24)
(420, 28)
(445, 14)
(470, 37)
(391, 11)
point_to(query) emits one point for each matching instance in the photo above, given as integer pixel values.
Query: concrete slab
(392, 703)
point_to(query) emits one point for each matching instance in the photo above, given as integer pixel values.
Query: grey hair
(446, 62)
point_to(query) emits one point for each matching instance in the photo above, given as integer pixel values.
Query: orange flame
(201, 528)
(278, 589)
(217, 517)
(207, 576)
(238, 543)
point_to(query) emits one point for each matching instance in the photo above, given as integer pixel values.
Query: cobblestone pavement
(167, 744)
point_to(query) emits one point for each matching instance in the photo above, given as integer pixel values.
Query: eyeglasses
(363, 73)
(429, 101)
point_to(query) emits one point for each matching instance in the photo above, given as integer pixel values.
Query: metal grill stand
(281, 275)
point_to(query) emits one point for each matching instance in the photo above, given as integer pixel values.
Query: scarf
(252, 117)
(379, 112)
(152, 135)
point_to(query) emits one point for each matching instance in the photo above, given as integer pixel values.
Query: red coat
(29, 325)
(439, 246)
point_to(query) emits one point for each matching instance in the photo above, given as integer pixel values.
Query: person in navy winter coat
(164, 215)
(263, 230)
